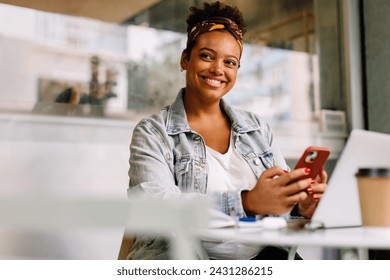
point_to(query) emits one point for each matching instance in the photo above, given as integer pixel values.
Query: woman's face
(213, 65)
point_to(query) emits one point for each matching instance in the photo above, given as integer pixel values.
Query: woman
(200, 144)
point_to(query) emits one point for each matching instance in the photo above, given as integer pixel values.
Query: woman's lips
(213, 82)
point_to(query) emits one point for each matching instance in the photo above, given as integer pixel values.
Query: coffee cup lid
(374, 172)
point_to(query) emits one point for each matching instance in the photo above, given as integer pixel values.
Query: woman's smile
(212, 82)
(212, 66)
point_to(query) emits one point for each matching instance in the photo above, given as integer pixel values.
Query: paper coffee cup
(374, 196)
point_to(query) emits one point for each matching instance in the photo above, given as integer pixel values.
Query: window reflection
(53, 58)
(43, 57)
(275, 83)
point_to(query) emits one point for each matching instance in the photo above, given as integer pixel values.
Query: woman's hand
(276, 192)
(315, 191)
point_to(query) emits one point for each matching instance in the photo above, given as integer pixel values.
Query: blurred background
(76, 76)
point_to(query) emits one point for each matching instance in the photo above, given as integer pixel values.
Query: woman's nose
(216, 68)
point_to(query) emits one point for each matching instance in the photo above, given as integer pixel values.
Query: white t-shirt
(229, 172)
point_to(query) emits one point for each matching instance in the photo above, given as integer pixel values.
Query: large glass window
(72, 89)
(55, 64)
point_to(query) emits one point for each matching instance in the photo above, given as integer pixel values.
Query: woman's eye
(231, 63)
(206, 56)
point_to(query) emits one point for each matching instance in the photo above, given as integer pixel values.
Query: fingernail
(309, 190)
(307, 170)
(312, 182)
(285, 171)
(316, 197)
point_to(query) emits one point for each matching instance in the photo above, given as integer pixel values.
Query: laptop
(339, 205)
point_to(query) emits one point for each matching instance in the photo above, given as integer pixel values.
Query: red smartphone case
(313, 158)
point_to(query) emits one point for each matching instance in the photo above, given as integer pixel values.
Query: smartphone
(314, 158)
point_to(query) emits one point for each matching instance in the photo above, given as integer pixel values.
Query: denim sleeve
(150, 171)
(229, 203)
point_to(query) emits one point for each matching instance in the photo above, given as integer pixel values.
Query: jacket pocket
(191, 175)
(267, 159)
(260, 162)
(184, 174)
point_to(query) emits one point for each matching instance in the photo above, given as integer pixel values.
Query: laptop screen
(340, 206)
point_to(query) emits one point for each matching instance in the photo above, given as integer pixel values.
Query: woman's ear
(184, 60)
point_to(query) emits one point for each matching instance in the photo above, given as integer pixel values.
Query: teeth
(216, 82)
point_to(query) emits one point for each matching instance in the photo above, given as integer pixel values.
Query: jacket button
(257, 161)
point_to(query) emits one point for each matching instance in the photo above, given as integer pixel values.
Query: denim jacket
(167, 157)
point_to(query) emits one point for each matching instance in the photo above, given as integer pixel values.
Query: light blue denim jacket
(167, 157)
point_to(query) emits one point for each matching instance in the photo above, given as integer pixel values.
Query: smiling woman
(201, 146)
(211, 73)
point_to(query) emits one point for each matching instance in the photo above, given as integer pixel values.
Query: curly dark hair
(210, 10)
(215, 9)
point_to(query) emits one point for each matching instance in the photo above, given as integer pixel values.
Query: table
(360, 238)
(41, 214)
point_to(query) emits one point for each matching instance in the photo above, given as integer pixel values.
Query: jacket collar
(177, 122)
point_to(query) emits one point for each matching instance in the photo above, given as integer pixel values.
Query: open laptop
(339, 205)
